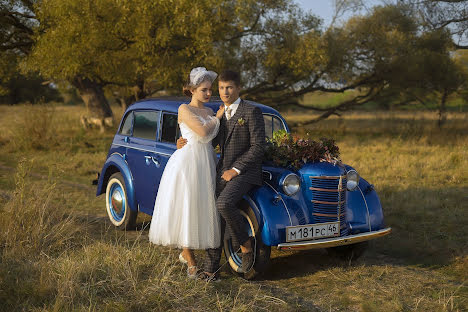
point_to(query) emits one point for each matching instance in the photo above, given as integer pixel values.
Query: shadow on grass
(428, 231)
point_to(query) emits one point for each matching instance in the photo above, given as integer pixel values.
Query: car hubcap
(234, 249)
(117, 202)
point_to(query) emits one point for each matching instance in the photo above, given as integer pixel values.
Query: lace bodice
(197, 125)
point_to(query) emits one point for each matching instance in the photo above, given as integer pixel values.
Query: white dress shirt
(233, 108)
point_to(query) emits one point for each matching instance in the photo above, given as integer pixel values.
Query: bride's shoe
(192, 272)
(182, 259)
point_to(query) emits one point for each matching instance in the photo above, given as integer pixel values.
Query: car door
(143, 160)
(168, 134)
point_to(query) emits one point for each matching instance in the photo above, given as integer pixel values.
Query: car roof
(171, 104)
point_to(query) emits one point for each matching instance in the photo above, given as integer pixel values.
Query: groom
(241, 139)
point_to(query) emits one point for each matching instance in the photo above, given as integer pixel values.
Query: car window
(170, 129)
(126, 128)
(145, 124)
(272, 124)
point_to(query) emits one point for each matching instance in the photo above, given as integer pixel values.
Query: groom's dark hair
(230, 75)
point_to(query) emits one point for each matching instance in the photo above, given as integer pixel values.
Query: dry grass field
(59, 253)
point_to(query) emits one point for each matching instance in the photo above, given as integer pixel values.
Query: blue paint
(142, 161)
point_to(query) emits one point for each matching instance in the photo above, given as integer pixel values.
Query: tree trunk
(138, 94)
(442, 109)
(99, 112)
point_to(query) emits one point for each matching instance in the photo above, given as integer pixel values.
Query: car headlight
(291, 184)
(352, 180)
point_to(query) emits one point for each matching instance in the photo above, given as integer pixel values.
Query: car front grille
(329, 200)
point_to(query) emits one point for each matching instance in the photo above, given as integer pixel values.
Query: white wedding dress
(184, 211)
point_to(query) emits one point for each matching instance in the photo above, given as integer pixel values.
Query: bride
(184, 211)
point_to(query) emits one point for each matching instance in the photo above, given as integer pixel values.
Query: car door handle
(156, 162)
(147, 160)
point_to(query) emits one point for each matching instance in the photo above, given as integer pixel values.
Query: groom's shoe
(209, 277)
(247, 261)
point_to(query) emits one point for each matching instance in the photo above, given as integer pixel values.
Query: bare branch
(461, 47)
(248, 30)
(372, 94)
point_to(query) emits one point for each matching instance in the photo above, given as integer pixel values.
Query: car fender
(271, 212)
(116, 163)
(363, 209)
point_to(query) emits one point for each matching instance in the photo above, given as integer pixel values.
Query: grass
(329, 99)
(59, 253)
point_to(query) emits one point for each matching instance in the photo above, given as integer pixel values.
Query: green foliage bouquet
(286, 150)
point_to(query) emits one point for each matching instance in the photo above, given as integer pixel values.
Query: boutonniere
(240, 121)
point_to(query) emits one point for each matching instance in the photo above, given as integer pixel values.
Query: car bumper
(334, 241)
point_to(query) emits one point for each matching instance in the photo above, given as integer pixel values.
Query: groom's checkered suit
(241, 140)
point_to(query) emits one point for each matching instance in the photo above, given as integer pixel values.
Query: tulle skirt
(184, 212)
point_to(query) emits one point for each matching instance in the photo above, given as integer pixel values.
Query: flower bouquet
(285, 149)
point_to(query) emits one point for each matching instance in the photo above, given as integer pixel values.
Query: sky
(325, 8)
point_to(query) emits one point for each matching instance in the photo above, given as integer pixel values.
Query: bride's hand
(220, 112)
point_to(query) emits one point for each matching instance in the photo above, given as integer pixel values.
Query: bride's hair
(196, 77)
(187, 88)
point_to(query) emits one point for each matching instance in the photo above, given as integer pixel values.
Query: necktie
(228, 113)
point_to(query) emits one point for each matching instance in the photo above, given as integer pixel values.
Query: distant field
(59, 253)
(324, 100)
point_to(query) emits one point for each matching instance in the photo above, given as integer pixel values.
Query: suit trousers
(228, 196)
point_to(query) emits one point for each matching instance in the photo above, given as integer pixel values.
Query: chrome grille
(329, 200)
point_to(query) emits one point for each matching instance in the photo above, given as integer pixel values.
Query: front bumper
(334, 241)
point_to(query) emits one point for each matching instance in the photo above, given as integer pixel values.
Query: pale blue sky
(325, 8)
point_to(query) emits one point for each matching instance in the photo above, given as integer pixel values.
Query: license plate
(312, 231)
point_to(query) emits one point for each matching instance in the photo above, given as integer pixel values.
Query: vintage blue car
(321, 205)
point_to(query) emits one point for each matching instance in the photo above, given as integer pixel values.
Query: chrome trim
(276, 116)
(286, 207)
(328, 203)
(123, 157)
(340, 186)
(357, 182)
(367, 208)
(282, 183)
(158, 136)
(334, 241)
(328, 215)
(271, 176)
(142, 149)
(325, 190)
(327, 177)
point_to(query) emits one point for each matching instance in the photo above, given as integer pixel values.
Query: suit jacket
(242, 143)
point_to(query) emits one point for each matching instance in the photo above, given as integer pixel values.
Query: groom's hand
(229, 174)
(181, 142)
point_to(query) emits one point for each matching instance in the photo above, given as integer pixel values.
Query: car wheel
(262, 252)
(348, 252)
(118, 210)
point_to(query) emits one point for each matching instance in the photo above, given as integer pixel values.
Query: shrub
(34, 128)
(31, 224)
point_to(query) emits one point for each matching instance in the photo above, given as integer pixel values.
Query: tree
(136, 46)
(382, 55)
(448, 14)
(17, 21)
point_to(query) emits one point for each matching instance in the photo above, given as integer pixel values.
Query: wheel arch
(116, 163)
(269, 212)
